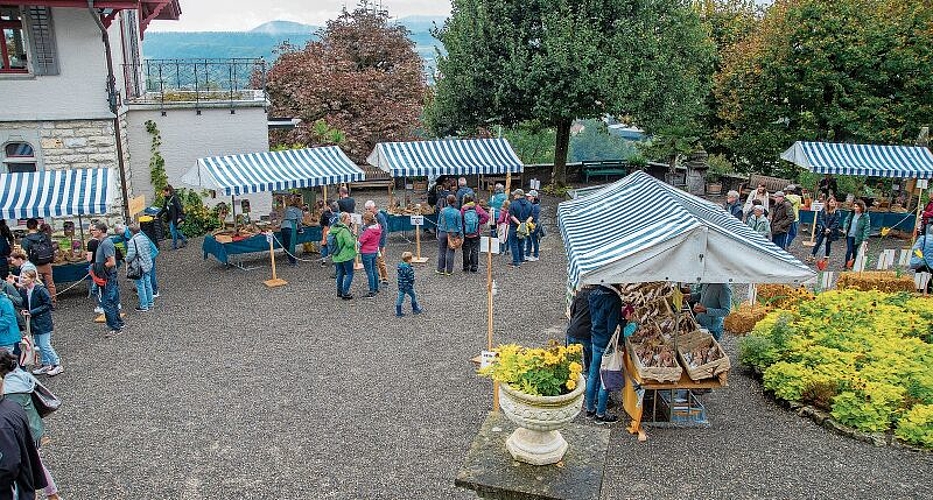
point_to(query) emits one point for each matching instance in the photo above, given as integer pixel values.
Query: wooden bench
(375, 178)
(604, 168)
(772, 184)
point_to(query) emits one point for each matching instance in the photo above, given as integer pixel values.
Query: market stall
(908, 162)
(451, 157)
(647, 236)
(58, 194)
(236, 175)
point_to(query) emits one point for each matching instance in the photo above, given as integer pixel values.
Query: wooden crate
(689, 342)
(658, 373)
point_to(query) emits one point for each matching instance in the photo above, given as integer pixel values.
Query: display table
(402, 223)
(254, 244)
(67, 273)
(633, 403)
(903, 221)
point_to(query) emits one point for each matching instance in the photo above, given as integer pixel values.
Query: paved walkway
(231, 390)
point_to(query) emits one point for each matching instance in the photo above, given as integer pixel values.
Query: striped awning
(862, 159)
(447, 157)
(235, 175)
(57, 193)
(641, 229)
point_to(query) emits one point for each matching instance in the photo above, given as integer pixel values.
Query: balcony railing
(195, 82)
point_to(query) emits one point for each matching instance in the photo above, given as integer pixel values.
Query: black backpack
(41, 251)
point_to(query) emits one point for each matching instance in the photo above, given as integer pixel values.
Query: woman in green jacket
(856, 227)
(343, 254)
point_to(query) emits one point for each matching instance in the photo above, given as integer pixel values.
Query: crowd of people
(777, 217)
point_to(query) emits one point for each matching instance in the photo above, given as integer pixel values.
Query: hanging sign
(487, 358)
(484, 245)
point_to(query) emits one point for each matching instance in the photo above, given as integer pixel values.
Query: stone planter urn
(537, 440)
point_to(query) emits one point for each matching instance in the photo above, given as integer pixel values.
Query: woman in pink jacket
(369, 250)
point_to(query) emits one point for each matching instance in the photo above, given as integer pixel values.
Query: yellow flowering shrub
(548, 371)
(865, 356)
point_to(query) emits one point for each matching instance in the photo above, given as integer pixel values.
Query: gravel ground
(229, 389)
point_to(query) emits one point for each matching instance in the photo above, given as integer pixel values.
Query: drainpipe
(112, 101)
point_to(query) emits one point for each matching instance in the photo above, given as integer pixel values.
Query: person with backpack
(369, 250)
(174, 212)
(41, 252)
(463, 190)
(495, 205)
(10, 335)
(449, 227)
(22, 467)
(519, 217)
(342, 245)
(383, 240)
(474, 218)
(534, 237)
(18, 386)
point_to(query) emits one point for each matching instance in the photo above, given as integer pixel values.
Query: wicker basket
(689, 342)
(658, 373)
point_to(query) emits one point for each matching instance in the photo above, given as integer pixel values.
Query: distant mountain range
(262, 41)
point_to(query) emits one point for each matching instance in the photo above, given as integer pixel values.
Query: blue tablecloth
(258, 243)
(895, 220)
(67, 273)
(402, 223)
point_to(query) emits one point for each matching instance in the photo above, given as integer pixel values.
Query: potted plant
(541, 390)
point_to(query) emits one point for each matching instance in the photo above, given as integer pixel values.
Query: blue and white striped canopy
(57, 193)
(641, 229)
(862, 159)
(235, 175)
(447, 157)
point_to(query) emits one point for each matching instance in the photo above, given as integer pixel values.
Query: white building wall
(79, 91)
(187, 136)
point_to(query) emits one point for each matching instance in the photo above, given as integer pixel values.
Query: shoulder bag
(134, 270)
(612, 367)
(454, 241)
(44, 400)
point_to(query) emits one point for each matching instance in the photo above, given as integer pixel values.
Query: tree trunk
(561, 147)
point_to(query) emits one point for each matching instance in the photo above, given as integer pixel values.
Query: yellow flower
(576, 367)
(571, 384)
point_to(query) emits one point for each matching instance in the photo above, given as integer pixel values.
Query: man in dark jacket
(578, 330)
(782, 216)
(33, 239)
(519, 213)
(733, 206)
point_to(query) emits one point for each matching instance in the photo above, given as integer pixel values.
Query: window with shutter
(42, 40)
(12, 41)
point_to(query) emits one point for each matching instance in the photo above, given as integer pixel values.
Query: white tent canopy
(235, 175)
(641, 229)
(861, 159)
(446, 157)
(57, 193)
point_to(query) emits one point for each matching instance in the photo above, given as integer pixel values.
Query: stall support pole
(233, 211)
(358, 263)
(812, 241)
(275, 281)
(508, 184)
(917, 228)
(418, 258)
(489, 304)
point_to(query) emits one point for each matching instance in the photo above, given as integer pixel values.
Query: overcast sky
(242, 15)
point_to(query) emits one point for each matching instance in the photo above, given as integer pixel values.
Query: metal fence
(176, 82)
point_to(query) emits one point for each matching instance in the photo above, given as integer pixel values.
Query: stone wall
(70, 144)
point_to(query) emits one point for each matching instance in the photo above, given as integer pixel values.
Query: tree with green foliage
(361, 83)
(841, 71)
(553, 61)
(595, 142)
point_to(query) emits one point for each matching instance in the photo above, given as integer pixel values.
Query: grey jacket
(139, 248)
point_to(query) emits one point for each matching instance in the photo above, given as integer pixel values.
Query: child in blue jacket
(406, 285)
